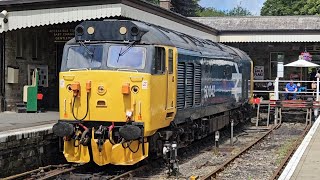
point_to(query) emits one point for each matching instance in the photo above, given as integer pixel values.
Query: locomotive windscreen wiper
(86, 48)
(128, 47)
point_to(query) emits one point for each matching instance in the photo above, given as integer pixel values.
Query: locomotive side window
(126, 57)
(160, 57)
(170, 61)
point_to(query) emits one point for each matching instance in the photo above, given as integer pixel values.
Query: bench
(292, 104)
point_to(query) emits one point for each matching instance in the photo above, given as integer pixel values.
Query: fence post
(276, 96)
(276, 88)
(316, 111)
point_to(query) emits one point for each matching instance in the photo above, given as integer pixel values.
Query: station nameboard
(62, 34)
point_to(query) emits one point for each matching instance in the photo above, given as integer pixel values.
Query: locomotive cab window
(84, 56)
(160, 57)
(170, 61)
(126, 57)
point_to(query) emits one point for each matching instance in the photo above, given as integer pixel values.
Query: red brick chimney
(165, 4)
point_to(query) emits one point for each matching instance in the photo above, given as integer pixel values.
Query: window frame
(144, 60)
(162, 58)
(19, 45)
(170, 61)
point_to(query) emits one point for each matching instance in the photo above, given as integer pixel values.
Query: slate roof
(262, 23)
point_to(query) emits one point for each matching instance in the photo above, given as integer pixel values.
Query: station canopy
(33, 13)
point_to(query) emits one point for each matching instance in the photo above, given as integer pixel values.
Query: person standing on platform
(291, 90)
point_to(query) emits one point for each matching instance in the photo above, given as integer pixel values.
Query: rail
(214, 173)
(46, 172)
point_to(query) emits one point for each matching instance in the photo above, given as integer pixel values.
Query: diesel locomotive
(129, 90)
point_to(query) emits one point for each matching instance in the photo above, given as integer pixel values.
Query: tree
(290, 7)
(210, 12)
(239, 11)
(183, 7)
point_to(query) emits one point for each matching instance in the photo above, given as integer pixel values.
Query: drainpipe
(2, 74)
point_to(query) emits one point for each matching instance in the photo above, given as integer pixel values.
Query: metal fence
(275, 89)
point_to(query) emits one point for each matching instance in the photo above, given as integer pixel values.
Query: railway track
(46, 172)
(277, 173)
(214, 173)
(66, 171)
(222, 167)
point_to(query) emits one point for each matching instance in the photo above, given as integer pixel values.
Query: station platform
(305, 162)
(12, 120)
(27, 142)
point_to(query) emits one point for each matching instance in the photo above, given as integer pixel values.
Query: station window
(160, 57)
(275, 57)
(19, 45)
(170, 61)
(34, 46)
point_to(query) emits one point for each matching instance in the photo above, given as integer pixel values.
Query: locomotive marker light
(79, 30)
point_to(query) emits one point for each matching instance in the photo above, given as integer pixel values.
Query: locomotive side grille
(189, 98)
(181, 85)
(197, 84)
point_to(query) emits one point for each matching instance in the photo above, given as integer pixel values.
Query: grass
(284, 149)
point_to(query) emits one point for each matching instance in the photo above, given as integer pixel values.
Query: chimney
(165, 4)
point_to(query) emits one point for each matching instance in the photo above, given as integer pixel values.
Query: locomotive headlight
(123, 30)
(101, 90)
(90, 30)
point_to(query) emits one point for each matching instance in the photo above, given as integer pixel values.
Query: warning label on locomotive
(144, 84)
(61, 83)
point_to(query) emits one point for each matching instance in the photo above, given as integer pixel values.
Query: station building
(270, 39)
(33, 33)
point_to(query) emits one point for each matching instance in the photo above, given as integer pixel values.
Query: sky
(254, 6)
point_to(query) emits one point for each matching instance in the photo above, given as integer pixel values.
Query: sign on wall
(62, 34)
(259, 72)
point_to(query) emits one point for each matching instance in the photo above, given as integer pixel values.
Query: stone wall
(26, 151)
(47, 54)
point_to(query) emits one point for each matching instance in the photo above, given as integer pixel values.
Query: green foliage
(239, 11)
(185, 7)
(290, 7)
(191, 8)
(210, 12)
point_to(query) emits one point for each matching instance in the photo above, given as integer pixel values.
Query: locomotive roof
(144, 33)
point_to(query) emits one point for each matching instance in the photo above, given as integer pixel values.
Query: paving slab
(12, 120)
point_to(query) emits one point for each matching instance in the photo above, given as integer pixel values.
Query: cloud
(254, 6)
